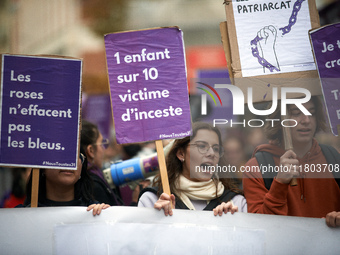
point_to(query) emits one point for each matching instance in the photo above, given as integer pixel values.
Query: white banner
(131, 230)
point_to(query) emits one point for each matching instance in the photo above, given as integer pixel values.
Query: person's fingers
(220, 209)
(330, 219)
(234, 209)
(97, 209)
(230, 207)
(296, 172)
(100, 208)
(289, 161)
(290, 167)
(167, 208)
(289, 154)
(90, 207)
(215, 211)
(170, 209)
(333, 219)
(173, 201)
(165, 205)
(158, 205)
(227, 207)
(164, 196)
(94, 211)
(337, 219)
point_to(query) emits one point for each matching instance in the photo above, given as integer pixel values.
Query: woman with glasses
(192, 164)
(58, 187)
(93, 144)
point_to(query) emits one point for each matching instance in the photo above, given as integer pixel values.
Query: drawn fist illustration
(267, 37)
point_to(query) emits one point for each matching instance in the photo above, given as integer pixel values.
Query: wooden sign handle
(35, 187)
(287, 137)
(162, 167)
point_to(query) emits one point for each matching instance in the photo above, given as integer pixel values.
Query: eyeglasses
(105, 143)
(82, 158)
(204, 147)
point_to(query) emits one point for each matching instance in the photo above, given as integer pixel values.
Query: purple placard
(148, 84)
(326, 48)
(40, 111)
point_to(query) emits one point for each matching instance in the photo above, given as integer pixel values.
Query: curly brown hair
(175, 166)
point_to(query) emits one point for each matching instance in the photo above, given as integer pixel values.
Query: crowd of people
(195, 184)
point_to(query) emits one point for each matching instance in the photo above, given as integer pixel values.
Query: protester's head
(130, 150)
(235, 156)
(196, 156)
(59, 179)
(234, 150)
(307, 126)
(93, 144)
(190, 155)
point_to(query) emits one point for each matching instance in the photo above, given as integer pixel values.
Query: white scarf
(203, 190)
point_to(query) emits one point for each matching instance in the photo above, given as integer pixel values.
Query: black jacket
(102, 192)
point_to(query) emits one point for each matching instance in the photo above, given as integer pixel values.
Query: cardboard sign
(326, 49)
(267, 43)
(40, 111)
(148, 84)
(272, 36)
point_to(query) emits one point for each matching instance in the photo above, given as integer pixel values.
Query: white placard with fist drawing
(273, 36)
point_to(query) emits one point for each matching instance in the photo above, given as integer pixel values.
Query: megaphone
(133, 169)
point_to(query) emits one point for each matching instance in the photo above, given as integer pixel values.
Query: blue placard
(40, 111)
